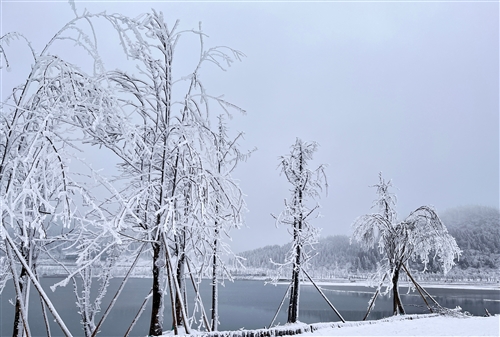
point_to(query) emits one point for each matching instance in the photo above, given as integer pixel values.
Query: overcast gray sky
(407, 88)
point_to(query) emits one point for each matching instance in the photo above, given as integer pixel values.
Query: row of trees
(173, 198)
(418, 237)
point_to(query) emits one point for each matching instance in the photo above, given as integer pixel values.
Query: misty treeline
(476, 230)
(172, 199)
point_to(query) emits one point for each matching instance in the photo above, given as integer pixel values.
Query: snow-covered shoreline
(404, 325)
(417, 325)
(476, 286)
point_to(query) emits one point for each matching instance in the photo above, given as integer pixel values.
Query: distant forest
(476, 230)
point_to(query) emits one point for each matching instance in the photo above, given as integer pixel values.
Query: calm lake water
(245, 304)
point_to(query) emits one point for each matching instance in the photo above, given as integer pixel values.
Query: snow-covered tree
(306, 183)
(420, 235)
(174, 192)
(163, 138)
(227, 205)
(38, 190)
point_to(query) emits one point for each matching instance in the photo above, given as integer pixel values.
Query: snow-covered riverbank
(425, 325)
(439, 285)
(408, 325)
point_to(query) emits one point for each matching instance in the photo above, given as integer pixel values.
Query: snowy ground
(407, 325)
(421, 326)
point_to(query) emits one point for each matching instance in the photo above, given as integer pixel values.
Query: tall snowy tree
(227, 205)
(162, 138)
(306, 183)
(418, 236)
(174, 186)
(38, 187)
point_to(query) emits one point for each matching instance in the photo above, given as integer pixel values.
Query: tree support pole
(172, 299)
(418, 288)
(324, 296)
(203, 313)
(374, 298)
(281, 304)
(139, 313)
(44, 312)
(118, 292)
(38, 287)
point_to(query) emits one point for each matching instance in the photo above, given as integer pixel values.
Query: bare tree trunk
(18, 319)
(293, 307)
(181, 262)
(397, 305)
(155, 327)
(177, 288)
(215, 285)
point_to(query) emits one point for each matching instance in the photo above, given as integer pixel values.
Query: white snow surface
(419, 326)
(406, 325)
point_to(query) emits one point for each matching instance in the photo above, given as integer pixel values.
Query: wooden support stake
(118, 292)
(322, 294)
(374, 298)
(418, 289)
(281, 304)
(203, 313)
(139, 313)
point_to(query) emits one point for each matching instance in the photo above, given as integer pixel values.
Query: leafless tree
(413, 238)
(306, 183)
(162, 136)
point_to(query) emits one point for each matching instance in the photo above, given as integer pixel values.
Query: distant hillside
(475, 228)
(477, 232)
(334, 253)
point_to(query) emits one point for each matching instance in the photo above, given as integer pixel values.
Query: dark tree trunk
(182, 287)
(397, 306)
(18, 319)
(155, 327)
(293, 307)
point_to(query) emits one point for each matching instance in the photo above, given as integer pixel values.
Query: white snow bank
(427, 325)
(406, 325)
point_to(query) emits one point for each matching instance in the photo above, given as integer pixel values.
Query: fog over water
(410, 89)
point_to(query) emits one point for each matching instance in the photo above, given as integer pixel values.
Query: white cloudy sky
(407, 88)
